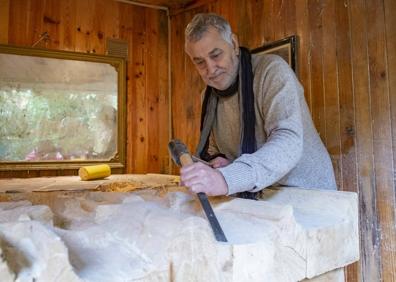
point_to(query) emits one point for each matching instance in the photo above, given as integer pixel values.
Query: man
(256, 128)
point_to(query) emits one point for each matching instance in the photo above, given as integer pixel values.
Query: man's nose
(211, 67)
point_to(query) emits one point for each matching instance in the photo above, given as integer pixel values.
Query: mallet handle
(185, 159)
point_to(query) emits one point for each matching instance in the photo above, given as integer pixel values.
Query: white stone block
(290, 235)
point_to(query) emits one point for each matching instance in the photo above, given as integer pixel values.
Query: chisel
(182, 157)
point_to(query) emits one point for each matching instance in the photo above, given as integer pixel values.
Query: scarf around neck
(209, 108)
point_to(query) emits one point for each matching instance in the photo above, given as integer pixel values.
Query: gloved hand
(199, 177)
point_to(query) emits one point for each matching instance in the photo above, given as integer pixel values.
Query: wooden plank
(390, 22)
(370, 260)
(290, 18)
(244, 23)
(257, 10)
(347, 129)
(125, 32)
(51, 23)
(139, 63)
(98, 41)
(36, 18)
(174, 32)
(19, 174)
(4, 18)
(318, 108)
(382, 138)
(330, 90)
(267, 21)
(112, 20)
(18, 20)
(164, 112)
(177, 75)
(152, 79)
(68, 28)
(84, 23)
(304, 50)
(277, 19)
(230, 13)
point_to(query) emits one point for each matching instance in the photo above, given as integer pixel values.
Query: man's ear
(235, 43)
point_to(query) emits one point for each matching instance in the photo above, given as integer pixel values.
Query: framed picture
(286, 48)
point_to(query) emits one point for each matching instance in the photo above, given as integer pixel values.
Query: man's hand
(219, 162)
(202, 178)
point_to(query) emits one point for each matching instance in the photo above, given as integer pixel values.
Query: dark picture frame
(285, 48)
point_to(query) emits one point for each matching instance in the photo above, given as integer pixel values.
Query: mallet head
(176, 149)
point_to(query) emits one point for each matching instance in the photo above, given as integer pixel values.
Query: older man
(256, 128)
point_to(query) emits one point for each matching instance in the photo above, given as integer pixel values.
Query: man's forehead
(211, 42)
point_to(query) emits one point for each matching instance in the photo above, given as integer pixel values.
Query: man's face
(215, 59)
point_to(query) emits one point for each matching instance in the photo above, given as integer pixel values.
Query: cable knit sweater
(290, 151)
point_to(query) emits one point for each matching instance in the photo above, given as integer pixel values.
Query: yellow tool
(94, 172)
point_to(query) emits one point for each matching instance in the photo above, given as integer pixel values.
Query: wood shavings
(159, 182)
(125, 186)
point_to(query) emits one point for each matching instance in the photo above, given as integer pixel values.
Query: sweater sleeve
(277, 97)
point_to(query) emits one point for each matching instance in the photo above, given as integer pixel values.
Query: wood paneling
(174, 6)
(83, 26)
(4, 7)
(347, 64)
(390, 36)
(346, 61)
(364, 143)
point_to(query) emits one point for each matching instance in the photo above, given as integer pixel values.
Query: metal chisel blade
(214, 223)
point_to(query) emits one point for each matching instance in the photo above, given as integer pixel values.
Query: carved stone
(152, 235)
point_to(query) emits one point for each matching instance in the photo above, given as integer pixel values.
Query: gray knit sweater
(290, 151)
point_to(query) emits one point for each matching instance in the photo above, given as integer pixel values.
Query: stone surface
(35, 253)
(149, 235)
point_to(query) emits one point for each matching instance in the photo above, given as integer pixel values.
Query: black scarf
(209, 108)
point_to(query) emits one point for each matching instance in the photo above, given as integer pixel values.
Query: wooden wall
(347, 65)
(83, 26)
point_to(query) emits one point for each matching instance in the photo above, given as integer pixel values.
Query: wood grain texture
(83, 26)
(370, 258)
(304, 50)
(390, 36)
(347, 65)
(4, 18)
(382, 137)
(315, 8)
(345, 94)
(346, 62)
(331, 101)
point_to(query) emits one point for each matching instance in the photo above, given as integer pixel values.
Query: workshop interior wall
(84, 26)
(346, 61)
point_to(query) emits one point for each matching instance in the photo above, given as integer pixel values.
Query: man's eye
(200, 63)
(214, 56)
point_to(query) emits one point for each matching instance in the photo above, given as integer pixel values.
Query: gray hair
(201, 23)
